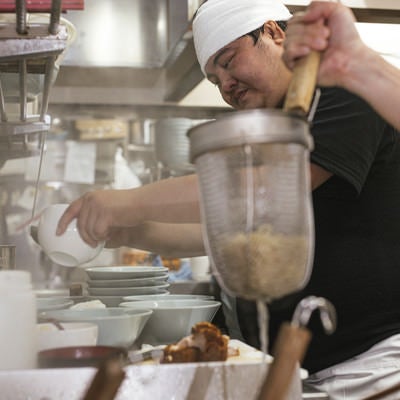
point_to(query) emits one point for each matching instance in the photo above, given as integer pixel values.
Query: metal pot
(172, 144)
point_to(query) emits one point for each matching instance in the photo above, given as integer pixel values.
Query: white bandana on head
(220, 22)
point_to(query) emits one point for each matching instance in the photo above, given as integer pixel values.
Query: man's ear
(272, 29)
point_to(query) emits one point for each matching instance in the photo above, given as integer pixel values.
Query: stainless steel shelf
(28, 55)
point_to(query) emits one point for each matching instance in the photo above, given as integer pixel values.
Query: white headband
(220, 22)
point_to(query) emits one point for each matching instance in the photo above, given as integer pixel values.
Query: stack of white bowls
(172, 143)
(111, 284)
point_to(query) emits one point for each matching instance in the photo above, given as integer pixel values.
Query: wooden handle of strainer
(302, 85)
(290, 348)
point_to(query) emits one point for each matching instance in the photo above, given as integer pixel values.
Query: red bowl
(79, 356)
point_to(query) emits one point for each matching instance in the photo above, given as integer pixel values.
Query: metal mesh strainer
(255, 199)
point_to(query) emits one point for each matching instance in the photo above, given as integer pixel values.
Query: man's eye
(226, 63)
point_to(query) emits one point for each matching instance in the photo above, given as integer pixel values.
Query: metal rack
(28, 53)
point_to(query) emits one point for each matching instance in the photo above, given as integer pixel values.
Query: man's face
(251, 75)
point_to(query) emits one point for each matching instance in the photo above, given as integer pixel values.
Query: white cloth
(370, 372)
(124, 177)
(220, 22)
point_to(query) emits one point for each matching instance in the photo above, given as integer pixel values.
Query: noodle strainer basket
(255, 197)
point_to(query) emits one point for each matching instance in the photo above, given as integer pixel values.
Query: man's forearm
(170, 240)
(381, 90)
(174, 200)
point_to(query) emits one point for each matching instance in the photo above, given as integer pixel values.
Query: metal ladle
(291, 346)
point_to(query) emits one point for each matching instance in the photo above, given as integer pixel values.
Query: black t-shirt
(357, 231)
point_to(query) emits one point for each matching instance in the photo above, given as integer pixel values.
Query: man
(346, 61)
(355, 173)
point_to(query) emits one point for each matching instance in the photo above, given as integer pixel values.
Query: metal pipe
(22, 88)
(49, 71)
(35, 197)
(55, 16)
(2, 105)
(20, 7)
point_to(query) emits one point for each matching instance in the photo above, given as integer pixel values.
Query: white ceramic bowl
(69, 249)
(53, 303)
(149, 281)
(74, 334)
(170, 297)
(127, 291)
(172, 319)
(115, 301)
(117, 326)
(124, 272)
(52, 293)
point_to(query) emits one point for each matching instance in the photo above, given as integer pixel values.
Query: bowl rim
(47, 303)
(157, 285)
(51, 299)
(161, 277)
(125, 269)
(87, 318)
(96, 291)
(197, 303)
(161, 286)
(170, 296)
(114, 297)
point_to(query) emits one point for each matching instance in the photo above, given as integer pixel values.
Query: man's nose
(228, 83)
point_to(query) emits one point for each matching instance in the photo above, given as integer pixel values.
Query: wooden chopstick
(384, 393)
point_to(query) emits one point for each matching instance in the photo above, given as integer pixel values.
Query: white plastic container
(200, 267)
(18, 344)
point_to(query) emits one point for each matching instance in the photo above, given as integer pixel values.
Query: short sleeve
(347, 134)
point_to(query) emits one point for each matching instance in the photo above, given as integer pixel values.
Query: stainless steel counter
(237, 379)
(206, 287)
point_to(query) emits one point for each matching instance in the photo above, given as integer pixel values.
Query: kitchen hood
(129, 52)
(141, 52)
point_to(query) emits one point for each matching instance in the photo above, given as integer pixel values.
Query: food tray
(237, 379)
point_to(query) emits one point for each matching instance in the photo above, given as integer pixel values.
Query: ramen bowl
(117, 327)
(68, 249)
(172, 319)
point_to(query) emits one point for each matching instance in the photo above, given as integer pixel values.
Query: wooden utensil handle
(291, 345)
(106, 381)
(302, 85)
